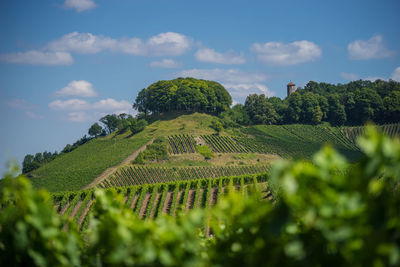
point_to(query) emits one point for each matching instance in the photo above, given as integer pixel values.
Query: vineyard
(295, 141)
(224, 144)
(352, 133)
(149, 201)
(139, 175)
(181, 143)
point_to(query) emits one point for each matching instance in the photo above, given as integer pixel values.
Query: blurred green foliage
(327, 213)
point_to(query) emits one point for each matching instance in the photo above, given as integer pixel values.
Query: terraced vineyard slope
(138, 175)
(151, 201)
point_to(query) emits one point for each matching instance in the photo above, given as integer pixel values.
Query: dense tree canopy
(354, 103)
(183, 94)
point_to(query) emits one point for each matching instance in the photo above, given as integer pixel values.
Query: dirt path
(64, 209)
(177, 200)
(213, 196)
(133, 203)
(76, 208)
(84, 212)
(190, 200)
(143, 208)
(167, 203)
(200, 198)
(153, 210)
(112, 169)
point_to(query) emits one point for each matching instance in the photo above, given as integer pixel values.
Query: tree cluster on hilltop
(183, 94)
(354, 103)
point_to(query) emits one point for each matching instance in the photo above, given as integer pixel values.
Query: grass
(72, 171)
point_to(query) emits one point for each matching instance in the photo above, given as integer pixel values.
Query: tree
(95, 130)
(391, 105)
(337, 113)
(259, 110)
(311, 111)
(217, 126)
(183, 94)
(294, 110)
(111, 122)
(29, 164)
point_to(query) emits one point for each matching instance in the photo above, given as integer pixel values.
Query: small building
(291, 88)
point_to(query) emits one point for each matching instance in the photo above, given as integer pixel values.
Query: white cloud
(35, 57)
(163, 44)
(78, 89)
(349, 76)
(112, 105)
(276, 53)
(396, 75)
(79, 110)
(223, 75)
(373, 48)
(165, 63)
(84, 43)
(210, 55)
(79, 5)
(243, 90)
(70, 104)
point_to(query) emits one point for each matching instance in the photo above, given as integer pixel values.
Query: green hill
(242, 146)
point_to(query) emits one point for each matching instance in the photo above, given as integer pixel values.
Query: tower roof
(291, 83)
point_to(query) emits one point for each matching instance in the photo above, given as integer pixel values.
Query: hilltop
(78, 168)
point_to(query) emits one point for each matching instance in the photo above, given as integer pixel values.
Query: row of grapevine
(149, 175)
(181, 143)
(224, 144)
(151, 201)
(352, 133)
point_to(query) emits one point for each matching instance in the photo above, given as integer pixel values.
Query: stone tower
(291, 88)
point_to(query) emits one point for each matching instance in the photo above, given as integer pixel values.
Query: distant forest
(353, 103)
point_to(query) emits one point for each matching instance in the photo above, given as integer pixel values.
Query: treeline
(110, 123)
(354, 103)
(183, 94)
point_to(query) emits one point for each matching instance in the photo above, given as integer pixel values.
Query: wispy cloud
(79, 5)
(166, 63)
(163, 44)
(24, 106)
(372, 48)
(281, 54)
(79, 110)
(349, 76)
(211, 56)
(35, 57)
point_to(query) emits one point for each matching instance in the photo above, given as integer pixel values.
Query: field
(72, 171)
(151, 200)
(352, 133)
(184, 133)
(138, 175)
(294, 141)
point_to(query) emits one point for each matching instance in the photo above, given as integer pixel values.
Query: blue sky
(66, 63)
